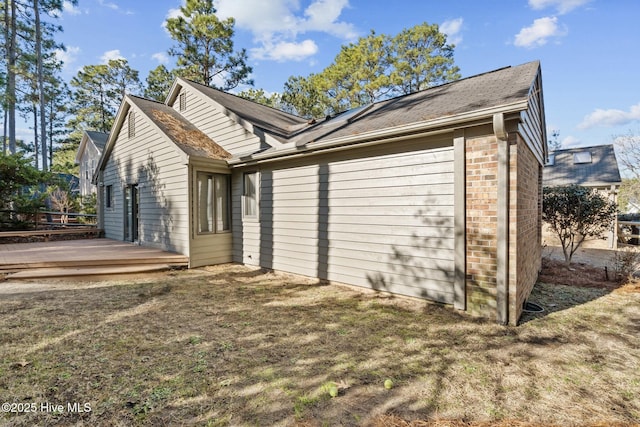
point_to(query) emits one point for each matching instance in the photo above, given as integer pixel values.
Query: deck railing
(47, 219)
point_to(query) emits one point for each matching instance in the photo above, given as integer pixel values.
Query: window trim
(256, 197)
(213, 198)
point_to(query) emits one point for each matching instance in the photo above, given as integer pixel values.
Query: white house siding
(216, 125)
(88, 164)
(380, 217)
(153, 163)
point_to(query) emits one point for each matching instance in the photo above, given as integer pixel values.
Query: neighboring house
(71, 181)
(595, 167)
(434, 195)
(87, 157)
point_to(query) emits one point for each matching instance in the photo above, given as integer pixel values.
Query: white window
(250, 195)
(582, 157)
(213, 203)
(182, 101)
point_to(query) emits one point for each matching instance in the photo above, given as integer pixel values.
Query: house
(595, 167)
(87, 156)
(435, 194)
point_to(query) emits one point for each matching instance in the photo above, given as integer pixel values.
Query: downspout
(502, 255)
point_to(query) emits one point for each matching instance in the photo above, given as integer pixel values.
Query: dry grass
(230, 345)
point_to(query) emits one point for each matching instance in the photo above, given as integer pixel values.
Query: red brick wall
(525, 216)
(481, 222)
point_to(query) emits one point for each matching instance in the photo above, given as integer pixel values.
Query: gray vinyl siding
(155, 164)
(531, 125)
(377, 219)
(216, 125)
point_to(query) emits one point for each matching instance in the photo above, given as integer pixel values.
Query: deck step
(176, 261)
(41, 273)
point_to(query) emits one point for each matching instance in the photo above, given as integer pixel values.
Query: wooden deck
(82, 257)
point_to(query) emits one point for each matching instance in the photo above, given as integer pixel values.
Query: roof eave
(441, 124)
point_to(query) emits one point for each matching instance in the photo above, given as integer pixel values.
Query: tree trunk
(11, 76)
(35, 136)
(40, 79)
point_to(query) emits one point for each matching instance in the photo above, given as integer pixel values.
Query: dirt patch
(578, 274)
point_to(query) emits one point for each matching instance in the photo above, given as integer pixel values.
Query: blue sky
(588, 48)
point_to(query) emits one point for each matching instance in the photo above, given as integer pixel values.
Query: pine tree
(372, 69)
(204, 48)
(159, 83)
(97, 93)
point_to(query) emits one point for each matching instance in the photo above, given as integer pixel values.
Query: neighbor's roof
(501, 87)
(181, 132)
(596, 166)
(99, 138)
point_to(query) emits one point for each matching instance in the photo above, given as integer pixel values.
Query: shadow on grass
(560, 288)
(238, 346)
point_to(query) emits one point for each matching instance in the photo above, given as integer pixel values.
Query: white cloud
(277, 24)
(172, 13)
(452, 29)
(539, 33)
(562, 6)
(70, 9)
(611, 117)
(110, 55)
(114, 6)
(323, 16)
(108, 5)
(161, 57)
(286, 51)
(67, 56)
(570, 142)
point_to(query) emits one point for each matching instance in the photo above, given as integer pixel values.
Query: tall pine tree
(204, 48)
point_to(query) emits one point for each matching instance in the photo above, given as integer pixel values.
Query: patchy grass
(230, 345)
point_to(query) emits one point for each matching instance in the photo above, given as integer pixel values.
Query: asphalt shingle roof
(184, 134)
(602, 170)
(98, 138)
(492, 89)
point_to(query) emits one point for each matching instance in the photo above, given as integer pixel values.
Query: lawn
(231, 345)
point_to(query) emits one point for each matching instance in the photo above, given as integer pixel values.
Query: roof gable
(98, 139)
(178, 130)
(187, 139)
(588, 166)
